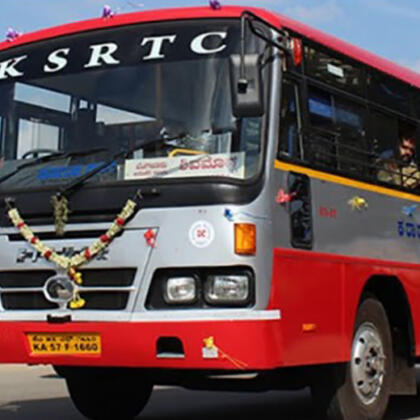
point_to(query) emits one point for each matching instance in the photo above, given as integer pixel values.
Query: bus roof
(274, 19)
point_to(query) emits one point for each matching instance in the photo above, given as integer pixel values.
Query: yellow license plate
(64, 344)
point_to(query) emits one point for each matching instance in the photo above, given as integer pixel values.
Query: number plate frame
(64, 344)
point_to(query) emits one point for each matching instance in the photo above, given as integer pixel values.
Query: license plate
(64, 344)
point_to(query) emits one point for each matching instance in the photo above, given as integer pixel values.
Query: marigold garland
(71, 264)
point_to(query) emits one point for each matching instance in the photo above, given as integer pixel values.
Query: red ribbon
(283, 198)
(150, 237)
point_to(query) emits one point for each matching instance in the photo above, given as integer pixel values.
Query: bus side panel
(309, 293)
(318, 295)
(410, 280)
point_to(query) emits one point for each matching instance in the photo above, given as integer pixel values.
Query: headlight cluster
(227, 288)
(180, 290)
(201, 288)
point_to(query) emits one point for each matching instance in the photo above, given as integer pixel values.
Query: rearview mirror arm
(250, 18)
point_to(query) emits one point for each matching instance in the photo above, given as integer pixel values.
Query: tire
(360, 389)
(105, 394)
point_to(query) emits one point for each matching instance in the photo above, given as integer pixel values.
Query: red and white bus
(191, 194)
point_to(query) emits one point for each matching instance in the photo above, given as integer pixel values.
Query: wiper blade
(49, 158)
(73, 186)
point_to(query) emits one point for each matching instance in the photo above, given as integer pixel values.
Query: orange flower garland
(71, 264)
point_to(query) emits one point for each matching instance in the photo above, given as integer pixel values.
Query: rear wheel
(360, 389)
(105, 394)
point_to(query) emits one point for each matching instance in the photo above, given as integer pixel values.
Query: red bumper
(250, 344)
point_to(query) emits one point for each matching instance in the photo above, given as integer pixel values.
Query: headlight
(226, 289)
(180, 290)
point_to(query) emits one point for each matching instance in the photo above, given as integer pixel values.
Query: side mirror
(246, 86)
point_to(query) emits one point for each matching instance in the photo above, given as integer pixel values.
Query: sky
(389, 28)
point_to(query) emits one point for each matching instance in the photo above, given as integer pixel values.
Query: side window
(336, 137)
(415, 94)
(289, 142)
(334, 69)
(389, 92)
(396, 158)
(300, 211)
(384, 134)
(334, 113)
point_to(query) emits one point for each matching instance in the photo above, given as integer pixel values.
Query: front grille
(26, 301)
(23, 290)
(24, 279)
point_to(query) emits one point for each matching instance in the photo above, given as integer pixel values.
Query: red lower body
(317, 295)
(248, 344)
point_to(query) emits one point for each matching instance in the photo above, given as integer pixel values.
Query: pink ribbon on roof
(12, 35)
(215, 4)
(107, 12)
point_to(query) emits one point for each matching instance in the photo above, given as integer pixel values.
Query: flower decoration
(283, 197)
(107, 12)
(70, 264)
(215, 4)
(150, 237)
(409, 210)
(12, 35)
(229, 215)
(209, 344)
(358, 203)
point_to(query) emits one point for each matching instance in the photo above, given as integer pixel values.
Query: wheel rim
(368, 363)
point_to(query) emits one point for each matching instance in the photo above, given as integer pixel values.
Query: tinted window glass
(384, 133)
(334, 70)
(415, 94)
(301, 210)
(332, 112)
(289, 128)
(389, 92)
(336, 139)
(172, 109)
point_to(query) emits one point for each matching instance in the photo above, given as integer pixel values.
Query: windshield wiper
(50, 158)
(73, 186)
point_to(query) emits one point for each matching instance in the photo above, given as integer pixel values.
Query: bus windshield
(165, 86)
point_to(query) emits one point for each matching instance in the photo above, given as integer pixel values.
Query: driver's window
(34, 135)
(289, 142)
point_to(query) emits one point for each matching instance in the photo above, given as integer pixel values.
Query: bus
(191, 197)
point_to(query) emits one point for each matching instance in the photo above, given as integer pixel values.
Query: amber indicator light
(245, 239)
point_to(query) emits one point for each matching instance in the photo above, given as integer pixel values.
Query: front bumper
(248, 344)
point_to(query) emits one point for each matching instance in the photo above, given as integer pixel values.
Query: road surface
(32, 393)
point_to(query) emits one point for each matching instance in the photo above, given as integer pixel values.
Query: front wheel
(105, 394)
(360, 389)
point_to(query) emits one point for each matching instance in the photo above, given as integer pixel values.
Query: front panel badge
(201, 234)
(59, 289)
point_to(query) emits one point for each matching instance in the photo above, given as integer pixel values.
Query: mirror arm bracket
(248, 17)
